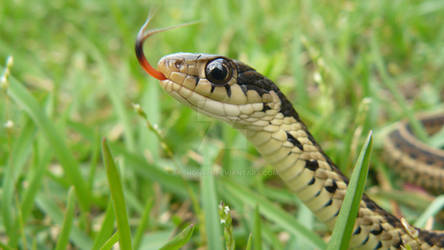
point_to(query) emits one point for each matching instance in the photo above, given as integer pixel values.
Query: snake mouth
(231, 113)
(196, 101)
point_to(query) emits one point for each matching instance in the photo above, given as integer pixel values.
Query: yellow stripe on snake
(233, 92)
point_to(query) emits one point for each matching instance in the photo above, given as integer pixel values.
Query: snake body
(414, 160)
(233, 92)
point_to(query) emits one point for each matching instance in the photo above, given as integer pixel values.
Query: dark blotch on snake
(379, 245)
(336, 214)
(196, 80)
(328, 203)
(312, 181)
(244, 89)
(331, 189)
(265, 107)
(365, 240)
(312, 140)
(293, 140)
(398, 244)
(377, 231)
(228, 89)
(312, 164)
(430, 162)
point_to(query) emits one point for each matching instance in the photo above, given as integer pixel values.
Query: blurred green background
(75, 77)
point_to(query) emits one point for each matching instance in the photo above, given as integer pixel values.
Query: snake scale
(233, 92)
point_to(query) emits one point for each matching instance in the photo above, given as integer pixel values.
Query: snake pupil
(218, 71)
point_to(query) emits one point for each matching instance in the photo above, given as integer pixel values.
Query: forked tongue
(143, 34)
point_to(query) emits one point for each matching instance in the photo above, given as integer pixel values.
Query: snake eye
(218, 71)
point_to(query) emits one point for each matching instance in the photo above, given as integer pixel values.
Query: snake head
(217, 86)
(221, 87)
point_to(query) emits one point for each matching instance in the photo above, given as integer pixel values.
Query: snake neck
(288, 146)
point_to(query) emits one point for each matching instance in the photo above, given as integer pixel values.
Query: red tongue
(141, 37)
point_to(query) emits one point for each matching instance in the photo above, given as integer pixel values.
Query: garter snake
(232, 91)
(414, 160)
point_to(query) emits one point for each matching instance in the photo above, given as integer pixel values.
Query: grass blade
(169, 181)
(209, 204)
(306, 217)
(19, 154)
(110, 242)
(271, 237)
(179, 240)
(249, 244)
(70, 166)
(342, 231)
(117, 197)
(5, 247)
(227, 222)
(35, 182)
(257, 231)
(143, 223)
(269, 210)
(51, 208)
(63, 240)
(106, 229)
(431, 210)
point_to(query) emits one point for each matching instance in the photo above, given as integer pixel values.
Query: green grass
(348, 67)
(342, 231)
(117, 196)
